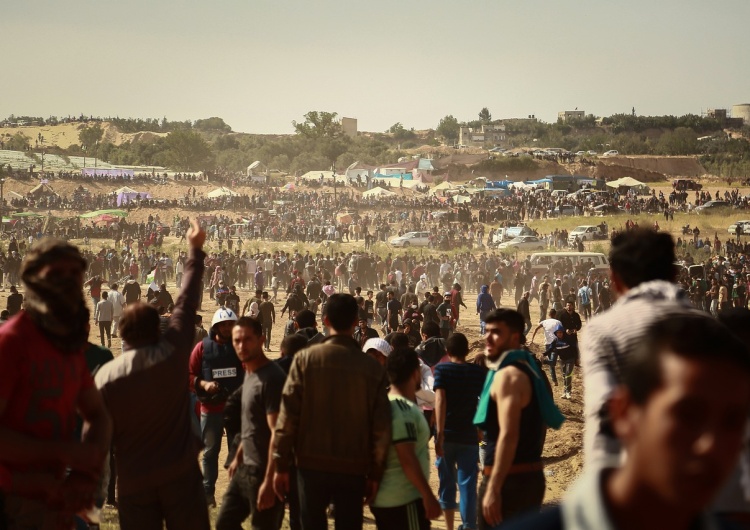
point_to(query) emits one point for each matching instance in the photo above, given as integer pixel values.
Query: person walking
(103, 318)
(215, 372)
(485, 304)
(250, 491)
(118, 304)
(457, 386)
(334, 464)
(267, 318)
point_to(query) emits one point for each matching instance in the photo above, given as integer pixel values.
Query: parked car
(412, 239)
(712, 205)
(744, 224)
(586, 233)
(523, 243)
(592, 153)
(566, 210)
(581, 153)
(607, 209)
(611, 152)
(686, 185)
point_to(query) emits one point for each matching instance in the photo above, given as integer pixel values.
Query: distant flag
(151, 276)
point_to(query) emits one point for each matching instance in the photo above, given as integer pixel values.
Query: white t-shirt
(550, 325)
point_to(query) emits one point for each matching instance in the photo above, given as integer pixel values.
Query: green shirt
(408, 426)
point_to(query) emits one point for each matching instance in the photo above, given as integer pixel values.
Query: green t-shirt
(408, 426)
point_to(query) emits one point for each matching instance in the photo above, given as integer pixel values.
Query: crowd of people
(373, 369)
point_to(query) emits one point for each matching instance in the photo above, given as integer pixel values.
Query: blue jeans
(319, 488)
(212, 431)
(458, 466)
(552, 362)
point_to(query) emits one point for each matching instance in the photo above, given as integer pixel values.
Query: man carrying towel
(515, 409)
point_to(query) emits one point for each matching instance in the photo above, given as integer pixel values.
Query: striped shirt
(609, 339)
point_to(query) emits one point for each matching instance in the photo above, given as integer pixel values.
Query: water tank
(742, 111)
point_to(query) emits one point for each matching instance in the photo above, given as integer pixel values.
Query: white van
(540, 261)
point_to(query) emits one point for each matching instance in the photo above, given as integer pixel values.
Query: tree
(90, 136)
(399, 132)
(187, 151)
(485, 115)
(18, 142)
(212, 124)
(448, 128)
(331, 149)
(319, 125)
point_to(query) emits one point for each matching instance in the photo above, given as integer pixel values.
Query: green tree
(187, 151)
(399, 132)
(331, 149)
(681, 141)
(90, 136)
(319, 124)
(448, 128)
(18, 142)
(212, 124)
(485, 115)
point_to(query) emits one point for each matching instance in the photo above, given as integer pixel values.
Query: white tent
(222, 192)
(628, 182)
(125, 189)
(377, 192)
(441, 188)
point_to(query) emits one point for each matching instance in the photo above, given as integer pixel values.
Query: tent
(629, 182)
(460, 199)
(126, 195)
(443, 186)
(42, 190)
(222, 192)
(125, 189)
(377, 192)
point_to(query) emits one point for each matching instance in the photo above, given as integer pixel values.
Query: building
(742, 111)
(718, 114)
(488, 135)
(349, 126)
(567, 115)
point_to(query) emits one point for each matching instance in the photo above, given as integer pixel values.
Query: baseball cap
(377, 344)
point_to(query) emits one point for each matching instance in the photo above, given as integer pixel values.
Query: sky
(260, 64)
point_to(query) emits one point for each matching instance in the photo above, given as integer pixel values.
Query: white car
(585, 233)
(581, 153)
(611, 153)
(744, 224)
(523, 243)
(412, 239)
(592, 153)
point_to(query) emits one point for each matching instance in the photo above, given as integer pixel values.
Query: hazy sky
(260, 64)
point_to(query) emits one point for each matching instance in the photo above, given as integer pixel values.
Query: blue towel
(550, 413)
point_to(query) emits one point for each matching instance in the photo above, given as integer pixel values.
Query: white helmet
(223, 315)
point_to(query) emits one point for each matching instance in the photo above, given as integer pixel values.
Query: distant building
(567, 115)
(722, 116)
(742, 111)
(489, 134)
(349, 126)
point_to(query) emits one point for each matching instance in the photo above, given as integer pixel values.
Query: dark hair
(105, 295)
(399, 340)
(250, 323)
(457, 345)
(139, 325)
(341, 311)
(509, 317)
(640, 255)
(401, 364)
(305, 319)
(697, 337)
(431, 329)
(291, 344)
